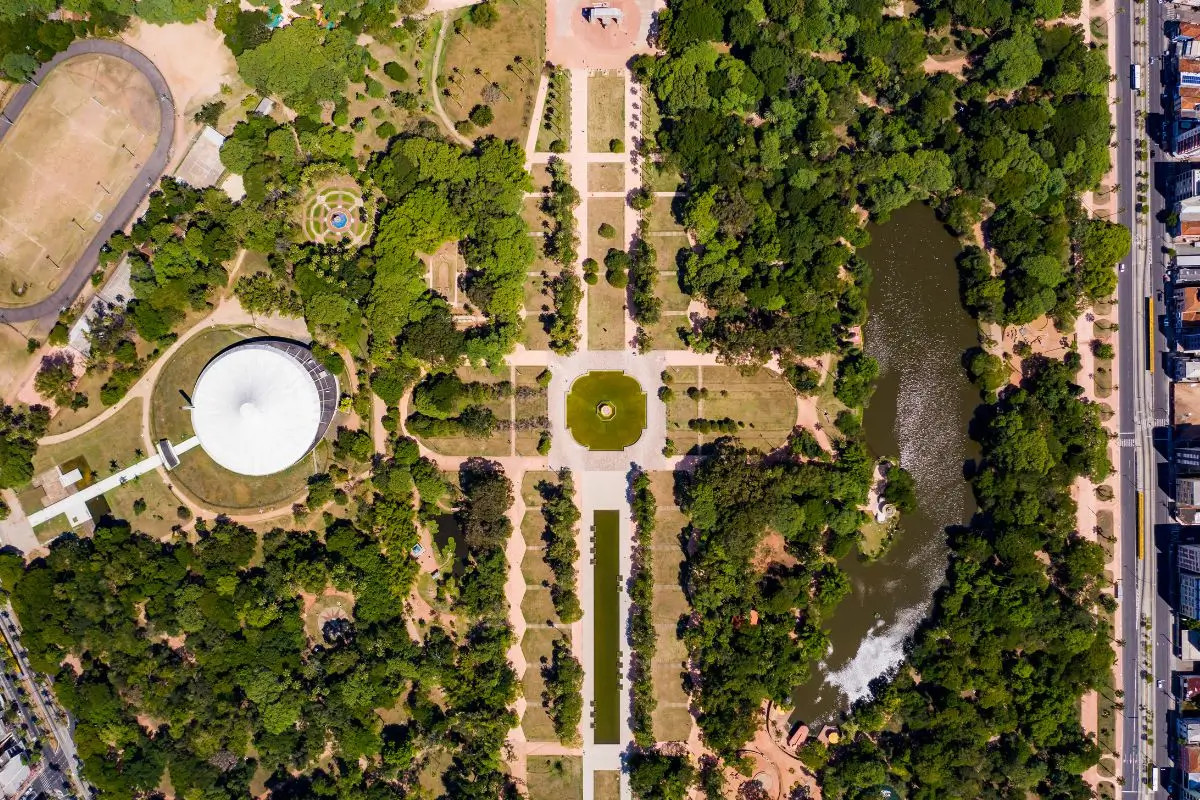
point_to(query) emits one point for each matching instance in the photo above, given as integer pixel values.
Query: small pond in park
(607, 628)
(446, 541)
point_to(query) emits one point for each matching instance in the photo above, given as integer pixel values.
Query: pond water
(446, 540)
(922, 405)
(607, 629)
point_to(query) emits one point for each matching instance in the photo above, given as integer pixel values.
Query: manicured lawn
(761, 402)
(538, 643)
(672, 720)
(606, 410)
(161, 505)
(664, 335)
(601, 210)
(555, 123)
(606, 110)
(606, 177)
(665, 214)
(555, 777)
(606, 784)
(498, 443)
(118, 439)
(606, 317)
(535, 407)
(537, 303)
(478, 62)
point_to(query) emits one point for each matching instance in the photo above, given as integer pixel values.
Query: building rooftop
(1185, 404)
(1189, 30)
(260, 406)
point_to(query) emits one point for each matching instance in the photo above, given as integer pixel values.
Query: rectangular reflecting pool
(607, 630)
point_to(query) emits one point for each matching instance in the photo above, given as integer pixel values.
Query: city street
(1145, 412)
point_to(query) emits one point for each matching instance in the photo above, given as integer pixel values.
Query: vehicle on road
(1122, 268)
(1135, 77)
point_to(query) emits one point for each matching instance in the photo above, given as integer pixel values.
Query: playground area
(71, 155)
(335, 211)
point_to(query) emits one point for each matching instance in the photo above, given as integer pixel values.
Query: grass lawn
(118, 439)
(161, 505)
(606, 177)
(675, 300)
(606, 783)
(478, 62)
(555, 123)
(763, 400)
(666, 250)
(672, 720)
(530, 408)
(534, 216)
(606, 110)
(538, 643)
(555, 777)
(537, 302)
(541, 177)
(664, 335)
(601, 210)
(606, 317)
(606, 410)
(666, 215)
(498, 443)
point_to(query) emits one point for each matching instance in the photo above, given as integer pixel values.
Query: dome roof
(260, 406)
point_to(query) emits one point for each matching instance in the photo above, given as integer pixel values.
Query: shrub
(464, 127)
(396, 72)
(616, 145)
(484, 14)
(606, 230)
(209, 113)
(482, 115)
(385, 130)
(558, 146)
(375, 88)
(543, 445)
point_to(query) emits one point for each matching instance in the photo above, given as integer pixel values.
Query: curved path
(437, 95)
(123, 211)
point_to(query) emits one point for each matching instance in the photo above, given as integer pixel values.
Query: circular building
(259, 407)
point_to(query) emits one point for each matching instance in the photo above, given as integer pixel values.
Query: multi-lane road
(1150, 636)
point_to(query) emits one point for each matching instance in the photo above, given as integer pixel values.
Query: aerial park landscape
(568, 400)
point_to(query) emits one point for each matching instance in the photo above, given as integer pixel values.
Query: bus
(1154, 777)
(1135, 77)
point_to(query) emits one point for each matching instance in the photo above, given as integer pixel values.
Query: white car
(1121, 268)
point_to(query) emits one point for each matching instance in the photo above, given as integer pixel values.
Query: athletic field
(71, 155)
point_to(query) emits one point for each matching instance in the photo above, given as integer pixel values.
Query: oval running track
(147, 177)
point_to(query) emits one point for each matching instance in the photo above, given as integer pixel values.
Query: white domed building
(260, 407)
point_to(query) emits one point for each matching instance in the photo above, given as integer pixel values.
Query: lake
(923, 402)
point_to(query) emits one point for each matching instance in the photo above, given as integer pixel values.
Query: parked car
(1122, 268)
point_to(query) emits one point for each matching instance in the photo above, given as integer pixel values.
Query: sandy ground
(195, 63)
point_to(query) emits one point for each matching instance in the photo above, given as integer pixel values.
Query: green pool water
(606, 410)
(607, 629)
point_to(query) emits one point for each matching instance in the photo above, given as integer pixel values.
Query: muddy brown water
(920, 411)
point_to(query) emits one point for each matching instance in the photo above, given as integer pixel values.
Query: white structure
(259, 407)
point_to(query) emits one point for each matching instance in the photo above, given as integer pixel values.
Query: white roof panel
(255, 409)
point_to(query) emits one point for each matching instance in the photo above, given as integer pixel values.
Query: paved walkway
(123, 212)
(74, 506)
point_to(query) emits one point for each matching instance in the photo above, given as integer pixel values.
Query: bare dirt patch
(195, 63)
